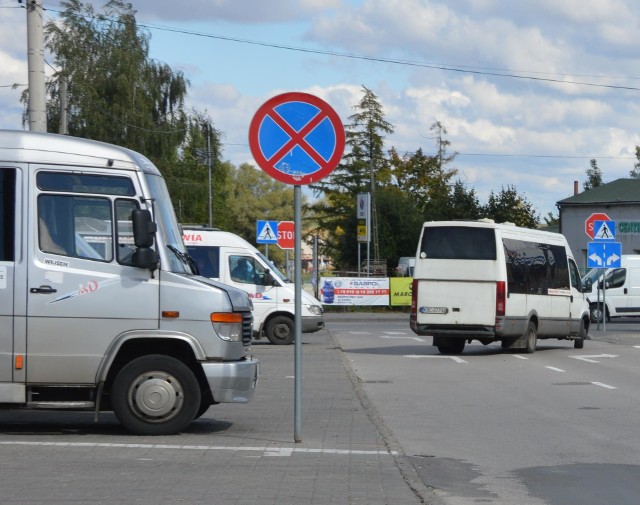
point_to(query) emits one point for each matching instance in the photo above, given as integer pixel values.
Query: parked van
(478, 280)
(622, 289)
(99, 306)
(228, 258)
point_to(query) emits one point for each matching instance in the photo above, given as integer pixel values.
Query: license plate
(434, 310)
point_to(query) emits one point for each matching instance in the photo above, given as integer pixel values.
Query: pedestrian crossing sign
(267, 232)
(604, 230)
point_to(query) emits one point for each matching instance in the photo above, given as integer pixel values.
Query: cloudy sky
(529, 90)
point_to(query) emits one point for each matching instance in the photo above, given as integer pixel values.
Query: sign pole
(297, 204)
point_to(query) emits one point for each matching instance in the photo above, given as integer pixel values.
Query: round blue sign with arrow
(296, 138)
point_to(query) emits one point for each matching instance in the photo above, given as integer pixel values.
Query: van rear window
(459, 243)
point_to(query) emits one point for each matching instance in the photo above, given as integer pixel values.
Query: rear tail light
(414, 297)
(501, 298)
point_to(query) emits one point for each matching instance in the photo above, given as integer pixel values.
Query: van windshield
(458, 243)
(274, 270)
(168, 225)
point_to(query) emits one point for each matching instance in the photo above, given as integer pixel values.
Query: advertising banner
(354, 290)
(400, 293)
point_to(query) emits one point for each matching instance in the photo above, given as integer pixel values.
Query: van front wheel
(155, 395)
(280, 330)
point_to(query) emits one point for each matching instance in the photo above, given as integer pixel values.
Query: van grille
(247, 328)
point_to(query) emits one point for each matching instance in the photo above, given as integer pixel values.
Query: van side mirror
(144, 230)
(588, 286)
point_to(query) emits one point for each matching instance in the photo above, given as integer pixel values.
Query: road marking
(267, 451)
(396, 332)
(360, 332)
(591, 359)
(454, 358)
(519, 357)
(555, 369)
(417, 339)
(606, 386)
(637, 346)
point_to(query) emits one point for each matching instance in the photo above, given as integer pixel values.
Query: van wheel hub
(156, 395)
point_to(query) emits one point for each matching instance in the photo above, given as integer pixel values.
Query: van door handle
(625, 291)
(45, 290)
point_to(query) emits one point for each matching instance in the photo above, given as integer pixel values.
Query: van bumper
(311, 324)
(232, 382)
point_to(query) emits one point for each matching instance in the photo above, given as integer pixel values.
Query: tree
(364, 168)
(508, 206)
(464, 204)
(594, 176)
(635, 173)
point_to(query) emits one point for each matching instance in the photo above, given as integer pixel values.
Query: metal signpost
(604, 252)
(297, 139)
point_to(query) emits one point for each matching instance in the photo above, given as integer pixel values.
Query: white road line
(417, 339)
(359, 333)
(267, 451)
(396, 332)
(519, 357)
(454, 358)
(590, 359)
(555, 369)
(637, 346)
(606, 386)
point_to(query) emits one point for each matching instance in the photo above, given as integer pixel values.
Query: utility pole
(35, 52)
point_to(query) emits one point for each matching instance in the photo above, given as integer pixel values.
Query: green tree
(509, 206)
(463, 203)
(364, 168)
(635, 172)
(115, 93)
(594, 176)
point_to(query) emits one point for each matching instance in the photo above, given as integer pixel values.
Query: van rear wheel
(531, 338)
(280, 330)
(451, 346)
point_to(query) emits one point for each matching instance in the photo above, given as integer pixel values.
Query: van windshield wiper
(185, 258)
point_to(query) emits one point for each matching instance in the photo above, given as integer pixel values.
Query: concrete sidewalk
(346, 455)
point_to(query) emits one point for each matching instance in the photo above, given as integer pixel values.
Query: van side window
(76, 226)
(243, 269)
(616, 278)
(534, 268)
(7, 213)
(124, 231)
(575, 275)
(207, 260)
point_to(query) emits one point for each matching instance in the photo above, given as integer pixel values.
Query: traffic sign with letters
(590, 221)
(286, 232)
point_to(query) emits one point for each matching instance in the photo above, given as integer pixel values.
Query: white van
(230, 259)
(99, 307)
(622, 289)
(477, 280)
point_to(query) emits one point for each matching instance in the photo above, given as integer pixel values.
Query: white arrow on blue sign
(267, 232)
(604, 254)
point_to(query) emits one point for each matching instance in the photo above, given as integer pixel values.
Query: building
(618, 200)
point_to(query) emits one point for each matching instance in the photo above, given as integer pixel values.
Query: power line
(410, 63)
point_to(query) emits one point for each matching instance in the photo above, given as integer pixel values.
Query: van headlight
(228, 325)
(314, 309)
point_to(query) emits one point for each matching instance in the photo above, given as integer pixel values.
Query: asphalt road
(557, 427)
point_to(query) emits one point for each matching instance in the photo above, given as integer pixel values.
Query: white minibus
(478, 280)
